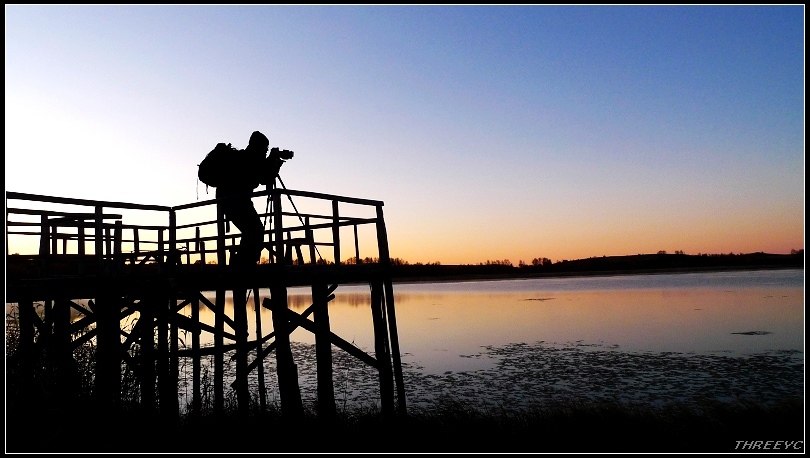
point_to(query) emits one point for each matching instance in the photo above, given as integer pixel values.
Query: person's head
(258, 141)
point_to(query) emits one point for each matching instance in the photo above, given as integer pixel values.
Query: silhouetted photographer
(246, 170)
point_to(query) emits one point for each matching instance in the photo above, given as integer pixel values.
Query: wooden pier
(77, 269)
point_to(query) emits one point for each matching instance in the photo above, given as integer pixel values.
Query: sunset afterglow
(489, 132)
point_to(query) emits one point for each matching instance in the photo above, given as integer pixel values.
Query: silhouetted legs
(243, 215)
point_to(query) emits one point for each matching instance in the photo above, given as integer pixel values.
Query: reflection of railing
(96, 231)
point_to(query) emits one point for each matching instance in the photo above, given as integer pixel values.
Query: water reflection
(442, 324)
(650, 338)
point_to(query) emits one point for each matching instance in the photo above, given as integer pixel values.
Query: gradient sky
(490, 132)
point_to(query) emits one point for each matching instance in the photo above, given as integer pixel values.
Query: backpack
(215, 168)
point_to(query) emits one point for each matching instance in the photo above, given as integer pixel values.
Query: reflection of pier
(138, 267)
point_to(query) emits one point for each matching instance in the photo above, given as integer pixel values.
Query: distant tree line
(640, 262)
(659, 260)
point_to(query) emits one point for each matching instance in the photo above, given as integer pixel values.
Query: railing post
(136, 243)
(356, 247)
(81, 248)
(108, 243)
(311, 238)
(197, 239)
(44, 245)
(117, 253)
(199, 247)
(173, 254)
(160, 259)
(44, 236)
(278, 228)
(54, 239)
(99, 240)
(336, 230)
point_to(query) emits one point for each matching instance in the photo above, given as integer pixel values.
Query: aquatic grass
(449, 425)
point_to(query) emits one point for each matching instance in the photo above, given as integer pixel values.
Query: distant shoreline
(521, 275)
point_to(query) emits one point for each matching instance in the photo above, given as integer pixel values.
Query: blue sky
(490, 132)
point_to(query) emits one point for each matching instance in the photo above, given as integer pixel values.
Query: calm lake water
(518, 343)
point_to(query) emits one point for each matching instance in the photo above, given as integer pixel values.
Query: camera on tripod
(281, 153)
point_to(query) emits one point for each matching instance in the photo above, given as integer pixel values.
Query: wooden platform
(126, 268)
(23, 280)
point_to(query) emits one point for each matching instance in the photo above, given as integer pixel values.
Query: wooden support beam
(268, 305)
(298, 320)
(174, 336)
(323, 352)
(107, 389)
(215, 308)
(165, 388)
(196, 362)
(183, 304)
(219, 317)
(169, 301)
(241, 332)
(34, 320)
(65, 366)
(84, 338)
(385, 262)
(260, 368)
(147, 373)
(289, 391)
(381, 350)
(78, 325)
(394, 336)
(26, 314)
(80, 309)
(133, 336)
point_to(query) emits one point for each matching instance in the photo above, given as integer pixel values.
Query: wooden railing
(119, 234)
